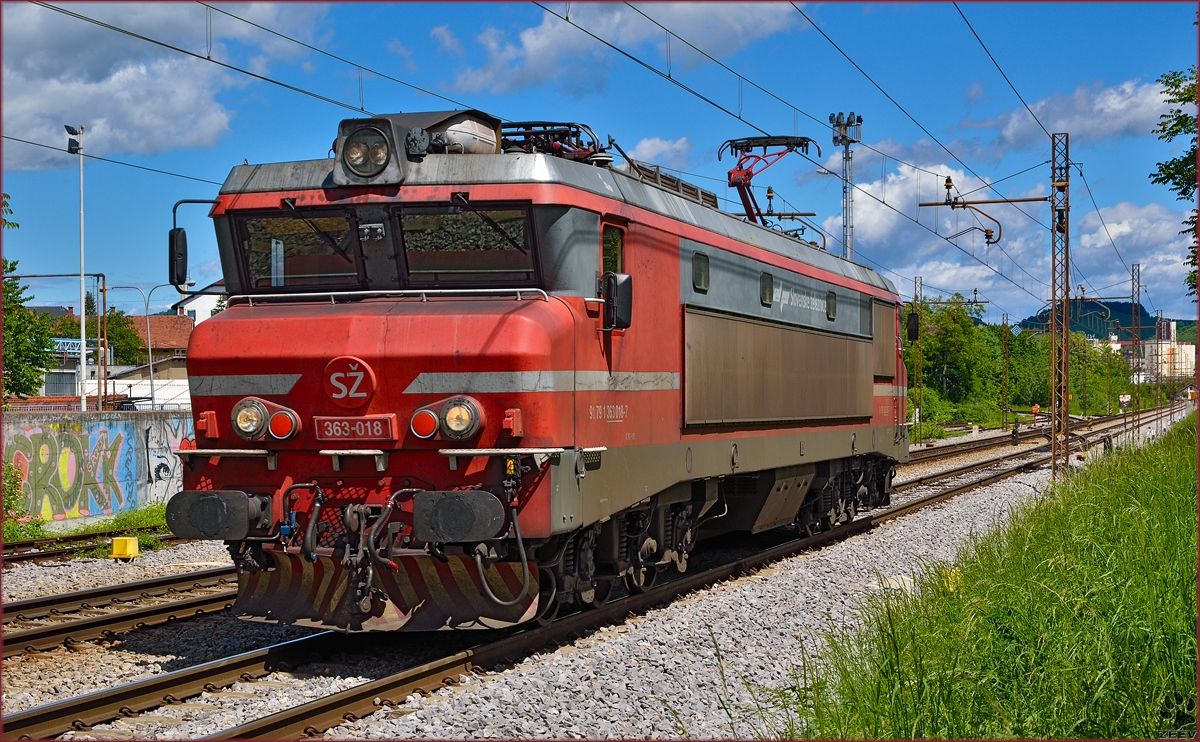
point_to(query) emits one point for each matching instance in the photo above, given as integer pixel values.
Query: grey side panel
(225, 249)
(242, 385)
(797, 299)
(885, 339)
(629, 475)
(569, 246)
(741, 371)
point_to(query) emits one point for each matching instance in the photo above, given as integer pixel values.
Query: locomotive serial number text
(354, 428)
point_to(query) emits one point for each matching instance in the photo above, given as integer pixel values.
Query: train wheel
(595, 596)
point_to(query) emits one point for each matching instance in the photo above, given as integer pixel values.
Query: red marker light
(282, 425)
(424, 424)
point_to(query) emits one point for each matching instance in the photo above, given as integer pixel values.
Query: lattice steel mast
(1060, 305)
(1135, 348)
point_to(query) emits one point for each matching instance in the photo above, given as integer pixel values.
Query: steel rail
(155, 587)
(32, 550)
(995, 441)
(313, 717)
(94, 627)
(51, 720)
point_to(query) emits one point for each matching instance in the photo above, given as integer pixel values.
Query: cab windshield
(299, 250)
(461, 246)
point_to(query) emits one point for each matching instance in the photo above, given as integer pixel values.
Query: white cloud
(554, 50)
(663, 151)
(1091, 113)
(446, 40)
(130, 95)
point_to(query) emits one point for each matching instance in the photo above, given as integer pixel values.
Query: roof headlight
(461, 418)
(249, 418)
(366, 152)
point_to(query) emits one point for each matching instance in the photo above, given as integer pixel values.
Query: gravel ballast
(35, 579)
(656, 675)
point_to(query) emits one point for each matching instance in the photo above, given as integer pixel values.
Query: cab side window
(613, 248)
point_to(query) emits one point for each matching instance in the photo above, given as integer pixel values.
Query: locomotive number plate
(356, 428)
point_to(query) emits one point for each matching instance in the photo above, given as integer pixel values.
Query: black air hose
(310, 533)
(524, 570)
(373, 536)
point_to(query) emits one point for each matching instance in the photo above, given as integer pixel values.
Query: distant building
(54, 312)
(200, 307)
(169, 334)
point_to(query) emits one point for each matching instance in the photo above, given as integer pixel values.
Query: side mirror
(177, 258)
(618, 300)
(913, 327)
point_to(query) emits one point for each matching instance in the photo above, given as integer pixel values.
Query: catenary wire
(225, 65)
(1079, 166)
(809, 159)
(334, 56)
(911, 118)
(989, 53)
(116, 162)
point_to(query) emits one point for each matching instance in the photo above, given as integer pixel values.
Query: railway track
(312, 718)
(53, 620)
(62, 547)
(934, 453)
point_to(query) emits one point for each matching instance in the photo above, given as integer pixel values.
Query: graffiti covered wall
(98, 463)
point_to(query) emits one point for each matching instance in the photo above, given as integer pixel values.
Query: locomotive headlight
(366, 152)
(461, 418)
(249, 418)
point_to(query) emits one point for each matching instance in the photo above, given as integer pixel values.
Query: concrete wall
(98, 463)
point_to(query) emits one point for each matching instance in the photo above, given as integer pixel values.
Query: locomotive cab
(434, 403)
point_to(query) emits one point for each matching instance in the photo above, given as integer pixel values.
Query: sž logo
(349, 381)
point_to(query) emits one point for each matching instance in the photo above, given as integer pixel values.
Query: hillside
(1096, 317)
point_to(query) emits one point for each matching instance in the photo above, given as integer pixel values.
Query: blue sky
(1086, 69)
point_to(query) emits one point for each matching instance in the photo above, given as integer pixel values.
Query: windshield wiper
(291, 204)
(491, 223)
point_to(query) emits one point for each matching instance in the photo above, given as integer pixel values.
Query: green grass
(1077, 620)
(146, 542)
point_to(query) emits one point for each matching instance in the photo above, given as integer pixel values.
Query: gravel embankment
(33, 579)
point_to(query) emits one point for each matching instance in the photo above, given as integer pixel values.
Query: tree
(7, 212)
(222, 304)
(1179, 173)
(28, 344)
(89, 305)
(129, 348)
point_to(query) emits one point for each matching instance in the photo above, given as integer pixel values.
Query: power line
(234, 68)
(651, 68)
(910, 118)
(986, 51)
(1079, 166)
(116, 162)
(1007, 177)
(760, 88)
(739, 117)
(334, 56)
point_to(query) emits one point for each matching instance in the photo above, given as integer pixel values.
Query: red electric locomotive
(436, 400)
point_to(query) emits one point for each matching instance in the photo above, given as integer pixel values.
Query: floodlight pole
(75, 146)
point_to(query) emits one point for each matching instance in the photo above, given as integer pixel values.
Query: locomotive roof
(615, 182)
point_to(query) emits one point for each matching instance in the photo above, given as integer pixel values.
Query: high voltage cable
(806, 157)
(115, 162)
(1079, 166)
(334, 56)
(760, 88)
(1007, 177)
(986, 51)
(653, 69)
(910, 118)
(227, 66)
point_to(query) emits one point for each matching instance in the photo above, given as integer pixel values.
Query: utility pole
(918, 360)
(1060, 306)
(1135, 348)
(1004, 405)
(75, 147)
(847, 130)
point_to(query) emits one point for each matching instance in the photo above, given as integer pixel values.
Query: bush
(19, 524)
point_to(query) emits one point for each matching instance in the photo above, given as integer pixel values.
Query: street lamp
(75, 147)
(149, 346)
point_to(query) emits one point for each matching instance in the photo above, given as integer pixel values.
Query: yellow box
(125, 547)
